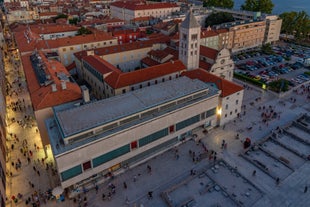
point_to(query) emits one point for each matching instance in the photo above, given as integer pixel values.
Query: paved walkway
(167, 169)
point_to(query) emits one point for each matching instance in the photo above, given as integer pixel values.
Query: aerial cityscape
(159, 103)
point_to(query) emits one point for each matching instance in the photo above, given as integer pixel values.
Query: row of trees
(296, 23)
(264, 6)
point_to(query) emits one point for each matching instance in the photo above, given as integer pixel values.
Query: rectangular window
(70, 173)
(111, 155)
(194, 37)
(153, 137)
(210, 112)
(202, 116)
(187, 122)
(86, 165)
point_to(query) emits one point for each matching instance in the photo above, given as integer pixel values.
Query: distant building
(129, 10)
(272, 23)
(62, 41)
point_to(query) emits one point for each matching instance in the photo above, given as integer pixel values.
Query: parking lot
(285, 63)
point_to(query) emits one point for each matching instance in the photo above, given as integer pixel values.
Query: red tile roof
(121, 48)
(71, 66)
(208, 52)
(52, 28)
(226, 86)
(42, 96)
(100, 65)
(36, 43)
(120, 80)
(48, 14)
(208, 33)
(158, 54)
(173, 52)
(149, 62)
(142, 5)
(204, 65)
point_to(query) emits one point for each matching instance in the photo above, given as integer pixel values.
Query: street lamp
(219, 111)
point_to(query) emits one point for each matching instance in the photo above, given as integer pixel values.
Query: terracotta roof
(121, 48)
(208, 33)
(52, 28)
(36, 43)
(173, 52)
(226, 86)
(149, 62)
(100, 65)
(120, 80)
(204, 65)
(48, 14)
(71, 66)
(125, 31)
(142, 5)
(43, 96)
(208, 52)
(146, 18)
(158, 54)
(222, 30)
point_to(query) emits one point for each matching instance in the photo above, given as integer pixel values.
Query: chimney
(63, 85)
(54, 87)
(85, 94)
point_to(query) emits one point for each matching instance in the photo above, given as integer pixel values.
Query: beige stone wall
(41, 116)
(231, 106)
(248, 35)
(66, 52)
(224, 65)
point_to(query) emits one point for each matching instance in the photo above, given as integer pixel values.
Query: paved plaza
(194, 173)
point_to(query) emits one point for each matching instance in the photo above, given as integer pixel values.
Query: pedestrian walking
(278, 181)
(150, 194)
(134, 178)
(306, 189)
(97, 188)
(149, 168)
(254, 173)
(125, 185)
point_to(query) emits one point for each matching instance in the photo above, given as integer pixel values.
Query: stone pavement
(167, 168)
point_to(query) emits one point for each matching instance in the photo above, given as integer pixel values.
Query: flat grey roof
(95, 114)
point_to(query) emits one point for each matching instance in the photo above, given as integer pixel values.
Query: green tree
(74, 21)
(296, 23)
(219, 3)
(267, 49)
(83, 30)
(280, 85)
(60, 16)
(218, 18)
(264, 6)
